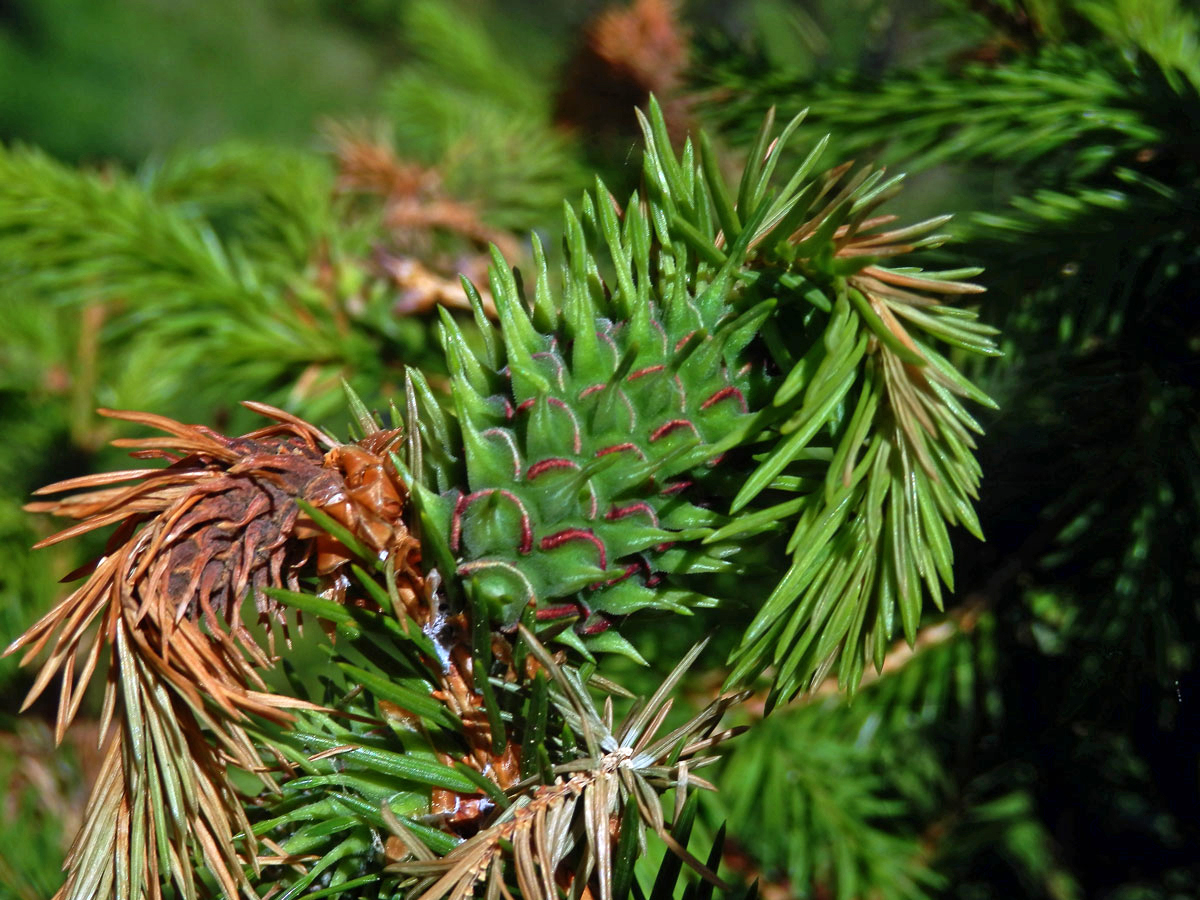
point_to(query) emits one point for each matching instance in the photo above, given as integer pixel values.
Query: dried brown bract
(195, 540)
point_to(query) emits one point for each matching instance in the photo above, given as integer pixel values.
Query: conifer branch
(707, 368)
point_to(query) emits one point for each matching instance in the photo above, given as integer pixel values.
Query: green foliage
(220, 274)
(354, 780)
(1063, 107)
(235, 266)
(1069, 125)
(690, 325)
(583, 428)
(858, 789)
(127, 79)
(464, 102)
(832, 796)
(43, 787)
(1029, 753)
(866, 793)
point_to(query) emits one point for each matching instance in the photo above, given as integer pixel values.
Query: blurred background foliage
(123, 80)
(201, 203)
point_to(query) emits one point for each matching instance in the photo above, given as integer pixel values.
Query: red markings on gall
(674, 425)
(723, 393)
(550, 541)
(620, 512)
(619, 448)
(546, 465)
(640, 373)
(465, 500)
